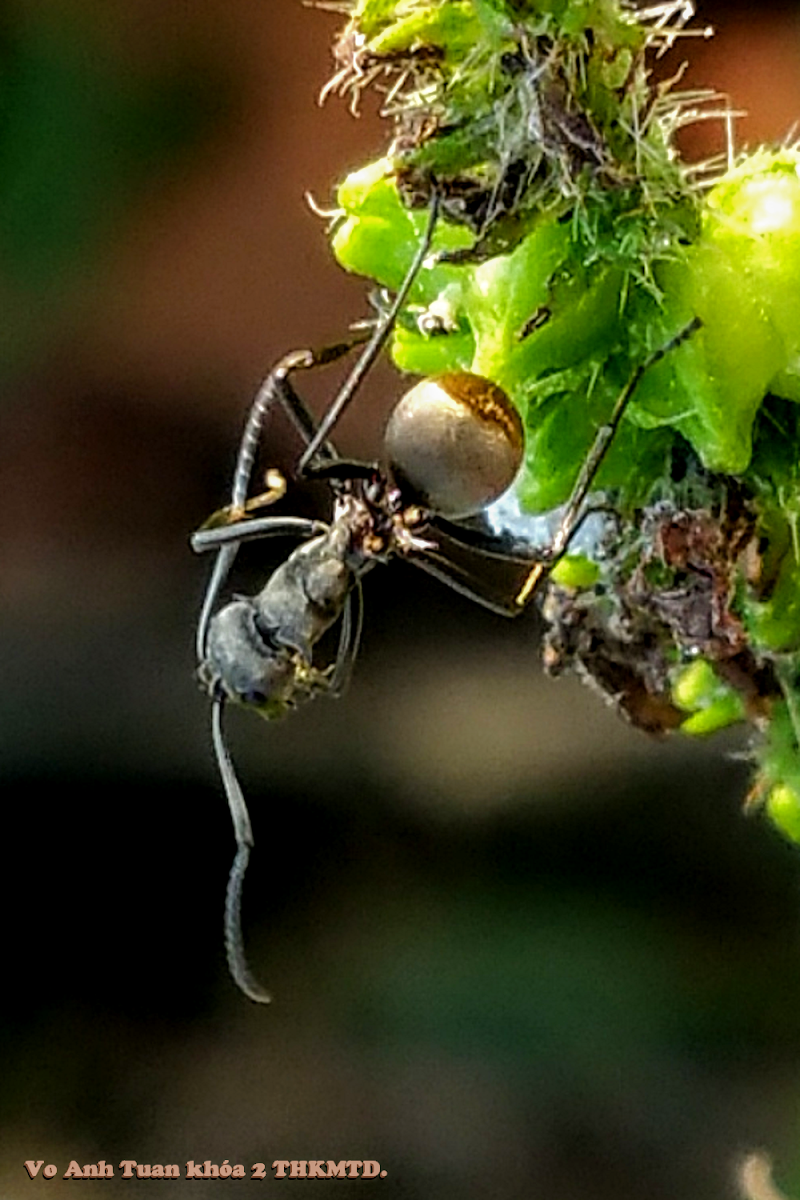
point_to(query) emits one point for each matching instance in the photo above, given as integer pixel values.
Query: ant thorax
(377, 522)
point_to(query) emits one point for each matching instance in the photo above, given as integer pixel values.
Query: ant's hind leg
(277, 388)
(349, 640)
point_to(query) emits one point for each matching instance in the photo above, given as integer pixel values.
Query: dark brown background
(518, 950)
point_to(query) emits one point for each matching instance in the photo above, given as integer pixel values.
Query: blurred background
(517, 949)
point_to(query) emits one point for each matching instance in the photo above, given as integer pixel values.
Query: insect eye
(456, 442)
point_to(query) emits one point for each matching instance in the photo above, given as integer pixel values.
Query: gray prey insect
(452, 445)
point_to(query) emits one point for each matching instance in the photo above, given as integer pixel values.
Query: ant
(453, 444)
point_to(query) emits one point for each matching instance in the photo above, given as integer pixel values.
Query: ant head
(455, 443)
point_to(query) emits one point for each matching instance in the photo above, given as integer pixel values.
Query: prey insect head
(258, 649)
(241, 666)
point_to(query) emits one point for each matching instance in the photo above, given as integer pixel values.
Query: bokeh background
(518, 950)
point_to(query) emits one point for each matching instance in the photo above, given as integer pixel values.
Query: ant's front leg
(214, 537)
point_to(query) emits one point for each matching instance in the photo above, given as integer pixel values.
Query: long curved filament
(234, 941)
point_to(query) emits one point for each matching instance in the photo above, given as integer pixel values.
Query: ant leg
(481, 543)
(222, 569)
(234, 941)
(255, 530)
(276, 490)
(484, 544)
(373, 347)
(277, 387)
(591, 465)
(349, 640)
(460, 581)
(340, 470)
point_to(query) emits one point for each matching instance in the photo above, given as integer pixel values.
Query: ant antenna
(373, 346)
(234, 941)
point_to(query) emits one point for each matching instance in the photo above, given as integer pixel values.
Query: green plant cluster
(573, 244)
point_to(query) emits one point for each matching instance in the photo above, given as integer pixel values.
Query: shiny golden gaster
(456, 442)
